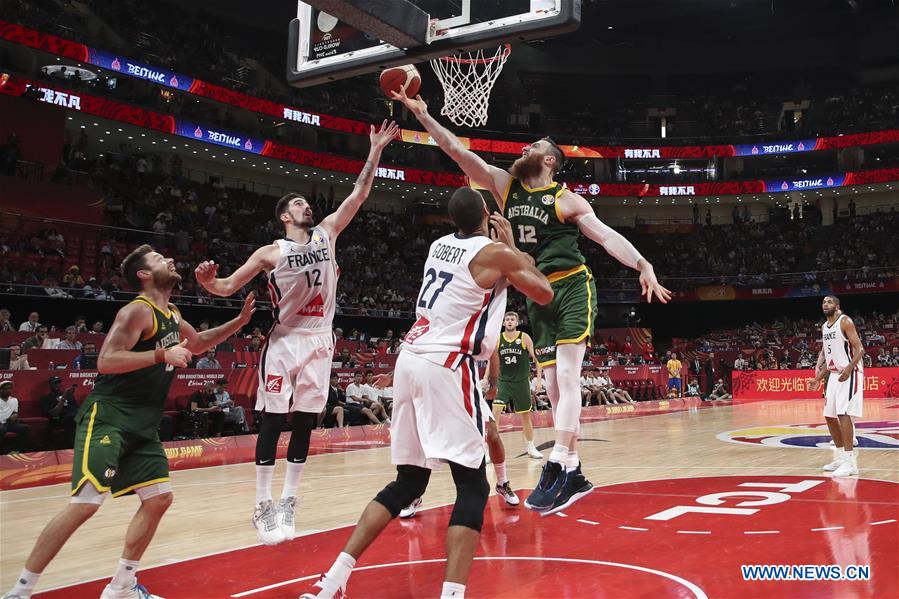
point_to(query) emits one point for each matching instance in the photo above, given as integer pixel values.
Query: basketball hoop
(467, 80)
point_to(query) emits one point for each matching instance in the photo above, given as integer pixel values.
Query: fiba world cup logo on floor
(870, 435)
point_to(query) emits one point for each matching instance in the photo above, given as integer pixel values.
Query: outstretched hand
(205, 272)
(416, 105)
(249, 307)
(651, 286)
(384, 135)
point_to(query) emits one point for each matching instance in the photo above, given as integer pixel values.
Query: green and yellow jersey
(514, 360)
(540, 230)
(134, 401)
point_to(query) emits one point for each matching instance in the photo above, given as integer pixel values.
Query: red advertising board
(758, 385)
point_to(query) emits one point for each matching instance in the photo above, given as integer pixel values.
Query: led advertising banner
(220, 137)
(141, 71)
(19, 34)
(758, 385)
(119, 111)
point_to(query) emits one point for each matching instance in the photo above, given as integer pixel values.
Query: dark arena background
(749, 149)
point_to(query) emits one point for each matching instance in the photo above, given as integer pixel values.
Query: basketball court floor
(684, 498)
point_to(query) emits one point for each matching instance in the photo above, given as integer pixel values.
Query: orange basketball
(405, 77)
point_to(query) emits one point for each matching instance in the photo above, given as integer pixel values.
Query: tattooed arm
(338, 221)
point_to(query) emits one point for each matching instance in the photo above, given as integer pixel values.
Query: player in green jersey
(547, 221)
(510, 371)
(117, 448)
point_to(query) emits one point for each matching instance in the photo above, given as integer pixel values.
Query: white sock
(559, 454)
(340, 572)
(500, 470)
(849, 456)
(292, 479)
(125, 574)
(837, 453)
(572, 462)
(452, 589)
(531, 445)
(264, 476)
(25, 583)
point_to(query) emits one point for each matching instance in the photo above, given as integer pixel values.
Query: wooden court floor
(212, 507)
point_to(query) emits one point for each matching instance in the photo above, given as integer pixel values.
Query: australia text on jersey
(530, 211)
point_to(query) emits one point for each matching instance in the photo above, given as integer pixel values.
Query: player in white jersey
(437, 404)
(296, 360)
(840, 364)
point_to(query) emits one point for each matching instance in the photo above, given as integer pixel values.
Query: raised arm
(491, 178)
(200, 342)
(577, 210)
(265, 258)
(335, 223)
(129, 326)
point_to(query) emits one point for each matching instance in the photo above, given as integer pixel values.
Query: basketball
(405, 77)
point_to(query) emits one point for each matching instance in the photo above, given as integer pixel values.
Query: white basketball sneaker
(847, 468)
(837, 460)
(409, 510)
(836, 463)
(285, 515)
(138, 591)
(265, 521)
(325, 589)
(505, 491)
(533, 452)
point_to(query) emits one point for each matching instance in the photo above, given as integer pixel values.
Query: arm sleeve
(614, 243)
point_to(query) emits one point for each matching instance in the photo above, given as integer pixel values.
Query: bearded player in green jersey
(510, 374)
(547, 220)
(117, 448)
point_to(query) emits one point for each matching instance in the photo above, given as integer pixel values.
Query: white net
(467, 80)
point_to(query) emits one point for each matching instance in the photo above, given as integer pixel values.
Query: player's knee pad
(88, 493)
(267, 442)
(300, 435)
(410, 484)
(472, 492)
(154, 490)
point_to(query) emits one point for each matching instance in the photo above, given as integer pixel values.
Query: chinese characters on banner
(755, 385)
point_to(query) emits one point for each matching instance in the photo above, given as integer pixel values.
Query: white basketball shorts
(437, 414)
(295, 363)
(844, 397)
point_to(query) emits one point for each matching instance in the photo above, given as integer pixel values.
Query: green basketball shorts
(114, 460)
(568, 318)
